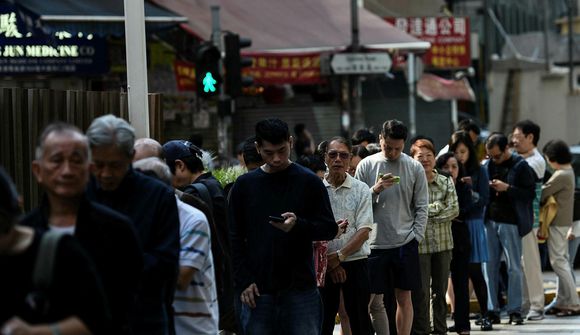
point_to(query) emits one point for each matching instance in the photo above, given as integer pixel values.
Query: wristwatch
(341, 257)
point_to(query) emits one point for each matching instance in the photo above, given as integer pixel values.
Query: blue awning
(100, 17)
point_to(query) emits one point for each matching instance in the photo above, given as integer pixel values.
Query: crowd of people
(137, 237)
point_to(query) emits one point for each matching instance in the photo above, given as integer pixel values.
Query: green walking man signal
(209, 83)
(207, 74)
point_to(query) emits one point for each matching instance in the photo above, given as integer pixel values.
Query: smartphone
(277, 218)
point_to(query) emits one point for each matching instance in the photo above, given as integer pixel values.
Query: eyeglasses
(334, 154)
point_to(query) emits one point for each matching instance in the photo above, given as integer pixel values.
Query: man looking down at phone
(273, 264)
(347, 255)
(400, 212)
(509, 218)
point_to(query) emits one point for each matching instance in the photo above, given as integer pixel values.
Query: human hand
(332, 261)
(288, 224)
(385, 181)
(342, 225)
(467, 180)
(338, 275)
(498, 185)
(249, 295)
(16, 326)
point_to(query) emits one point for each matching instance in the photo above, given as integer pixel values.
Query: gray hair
(59, 128)
(157, 166)
(111, 130)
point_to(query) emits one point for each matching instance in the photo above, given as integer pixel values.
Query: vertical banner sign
(184, 75)
(449, 38)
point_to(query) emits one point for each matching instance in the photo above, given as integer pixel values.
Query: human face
(462, 153)
(496, 155)
(353, 164)
(522, 143)
(276, 156)
(426, 158)
(337, 157)
(63, 169)
(451, 167)
(392, 148)
(110, 166)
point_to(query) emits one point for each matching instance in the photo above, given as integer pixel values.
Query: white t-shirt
(537, 163)
(196, 308)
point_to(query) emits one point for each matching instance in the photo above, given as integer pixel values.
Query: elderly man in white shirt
(347, 255)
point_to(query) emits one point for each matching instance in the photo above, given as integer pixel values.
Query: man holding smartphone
(400, 207)
(273, 266)
(509, 218)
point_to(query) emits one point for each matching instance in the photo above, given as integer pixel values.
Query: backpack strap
(44, 265)
(203, 192)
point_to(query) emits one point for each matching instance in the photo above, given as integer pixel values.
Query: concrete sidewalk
(550, 325)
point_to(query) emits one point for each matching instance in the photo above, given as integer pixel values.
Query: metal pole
(137, 66)
(224, 121)
(411, 82)
(546, 28)
(571, 45)
(454, 114)
(357, 119)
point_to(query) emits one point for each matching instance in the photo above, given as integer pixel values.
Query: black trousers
(356, 293)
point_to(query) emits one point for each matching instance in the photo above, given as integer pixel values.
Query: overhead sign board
(360, 63)
(449, 38)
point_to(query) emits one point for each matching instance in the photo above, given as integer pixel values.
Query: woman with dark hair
(447, 163)
(359, 152)
(476, 177)
(561, 187)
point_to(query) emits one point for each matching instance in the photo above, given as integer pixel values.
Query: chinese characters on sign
(273, 69)
(23, 52)
(449, 38)
(184, 75)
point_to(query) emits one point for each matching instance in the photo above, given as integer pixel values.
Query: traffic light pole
(225, 103)
(356, 117)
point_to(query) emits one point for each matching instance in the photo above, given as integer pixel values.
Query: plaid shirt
(443, 207)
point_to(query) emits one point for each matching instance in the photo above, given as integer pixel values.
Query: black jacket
(111, 242)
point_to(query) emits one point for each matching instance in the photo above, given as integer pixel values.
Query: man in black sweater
(273, 264)
(151, 206)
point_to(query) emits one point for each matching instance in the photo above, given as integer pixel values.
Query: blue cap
(179, 149)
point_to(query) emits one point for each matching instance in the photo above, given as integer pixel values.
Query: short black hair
(363, 135)
(314, 163)
(469, 125)
(274, 131)
(360, 151)
(498, 139)
(250, 153)
(394, 129)
(529, 127)
(558, 151)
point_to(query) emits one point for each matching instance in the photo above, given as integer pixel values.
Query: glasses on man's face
(334, 154)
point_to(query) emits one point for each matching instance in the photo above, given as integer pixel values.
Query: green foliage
(228, 175)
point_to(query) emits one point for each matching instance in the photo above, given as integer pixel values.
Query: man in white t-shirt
(525, 137)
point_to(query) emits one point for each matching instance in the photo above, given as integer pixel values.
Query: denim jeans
(504, 237)
(287, 313)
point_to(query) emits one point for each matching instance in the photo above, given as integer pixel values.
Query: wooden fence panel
(25, 112)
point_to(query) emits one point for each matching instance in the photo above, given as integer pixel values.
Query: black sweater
(277, 261)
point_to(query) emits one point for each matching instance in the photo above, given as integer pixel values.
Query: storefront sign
(274, 69)
(449, 38)
(184, 75)
(33, 52)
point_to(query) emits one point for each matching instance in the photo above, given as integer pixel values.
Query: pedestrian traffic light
(207, 74)
(234, 63)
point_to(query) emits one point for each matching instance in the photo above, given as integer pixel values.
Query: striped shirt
(443, 207)
(196, 308)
